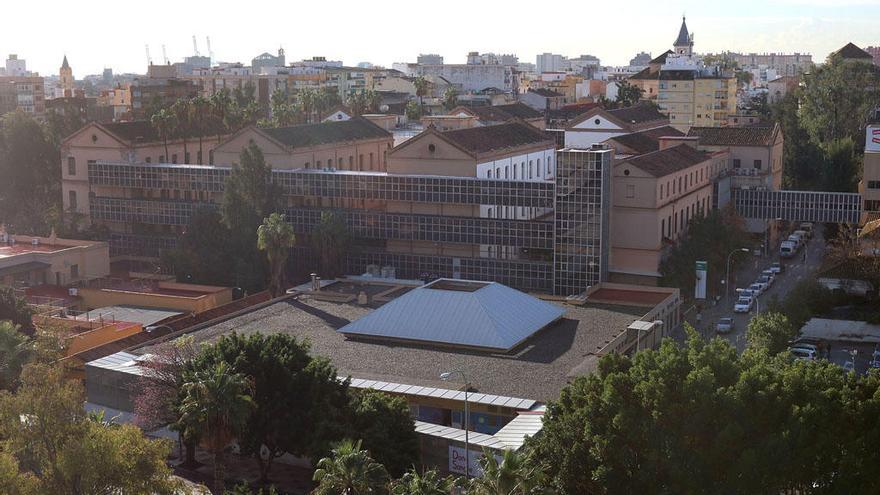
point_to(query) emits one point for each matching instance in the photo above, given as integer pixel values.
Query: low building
(25, 93)
(500, 114)
(655, 195)
(779, 87)
(27, 261)
(399, 337)
(869, 187)
(542, 99)
(599, 125)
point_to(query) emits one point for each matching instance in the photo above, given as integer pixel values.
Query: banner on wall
(457, 461)
(700, 285)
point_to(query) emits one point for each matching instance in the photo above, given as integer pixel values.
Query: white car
(758, 287)
(743, 305)
(803, 354)
(875, 359)
(749, 293)
(724, 325)
(767, 278)
(777, 268)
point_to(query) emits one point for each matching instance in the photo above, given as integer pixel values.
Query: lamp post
(727, 277)
(467, 451)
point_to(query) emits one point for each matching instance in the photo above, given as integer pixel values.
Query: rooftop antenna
(149, 58)
(164, 55)
(195, 46)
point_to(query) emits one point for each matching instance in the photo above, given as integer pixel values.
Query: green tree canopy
(15, 351)
(770, 331)
(16, 310)
(331, 240)
(350, 470)
(426, 483)
(275, 236)
(385, 426)
(628, 94)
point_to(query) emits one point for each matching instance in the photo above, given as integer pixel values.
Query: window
(174, 158)
(318, 164)
(211, 157)
(514, 172)
(339, 163)
(161, 158)
(74, 272)
(71, 165)
(506, 172)
(361, 162)
(71, 199)
(662, 226)
(630, 191)
(874, 184)
(736, 163)
(350, 162)
(149, 160)
(199, 156)
(758, 164)
(371, 161)
(185, 157)
(489, 175)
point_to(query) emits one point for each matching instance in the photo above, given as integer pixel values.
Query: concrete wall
(98, 298)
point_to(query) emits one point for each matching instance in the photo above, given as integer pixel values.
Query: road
(796, 269)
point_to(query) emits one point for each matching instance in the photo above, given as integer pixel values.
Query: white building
(550, 62)
(16, 67)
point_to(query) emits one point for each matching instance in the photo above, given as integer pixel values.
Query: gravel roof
(538, 369)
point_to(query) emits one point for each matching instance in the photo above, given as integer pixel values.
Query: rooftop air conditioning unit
(73, 292)
(35, 242)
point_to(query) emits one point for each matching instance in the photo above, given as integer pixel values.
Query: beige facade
(652, 205)
(30, 261)
(869, 187)
(697, 101)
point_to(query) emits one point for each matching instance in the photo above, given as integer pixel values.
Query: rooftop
(664, 162)
(646, 141)
(735, 136)
(547, 359)
(546, 93)
(851, 51)
(501, 113)
(495, 137)
(327, 132)
(638, 114)
(134, 131)
(469, 314)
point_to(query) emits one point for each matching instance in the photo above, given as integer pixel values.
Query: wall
(99, 298)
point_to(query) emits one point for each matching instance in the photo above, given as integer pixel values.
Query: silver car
(724, 325)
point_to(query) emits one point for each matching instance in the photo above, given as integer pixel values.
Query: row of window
(532, 170)
(678, 221)
(757, 164)
(684, 182)
(874, 184)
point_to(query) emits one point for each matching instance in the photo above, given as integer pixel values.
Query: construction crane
(210, 52)
(195, 47)
(149, 58)
(164, 55)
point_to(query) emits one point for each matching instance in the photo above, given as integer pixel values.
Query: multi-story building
(693, 96)
(869, 187)
(874, 51)
(550, 62)
(15, 67)
(429, 59)
(473, 77)
(783, 64)
(25, 93)
(443, 205)
(655, 195)
(157, 91)
(648, 79)
(266, 59)
(779, 87)
(543, 99)
(642, 59)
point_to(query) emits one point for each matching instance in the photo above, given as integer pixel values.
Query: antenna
(210, 52)
(164, 55)
(149, 58)
(195, 46)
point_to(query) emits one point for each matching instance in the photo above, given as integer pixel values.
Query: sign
(457, 461)
(872, 140)
(700, 285)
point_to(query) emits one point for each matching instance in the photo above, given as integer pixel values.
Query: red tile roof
(669, 161)
(496, 137)
(735, 136)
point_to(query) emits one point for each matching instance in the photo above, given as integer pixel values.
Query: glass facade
(583, 206)
(798, 206)
(150, 246)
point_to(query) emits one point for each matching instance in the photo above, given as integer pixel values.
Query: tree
(31, 177)
(842, 167)
(164, 123)
(385, 426)
(838, 99)
(744, 78)
(15, 350)
(427, 483)
(450, 98)
(331, 239)
(513, 475)
(276, 237)
(770, 331)
(421, 86)
(204, 254)
(55, 447)
(298, 400)
(802, 158)
(16, 310)
(701, 419)
(249, 197)
(201, 109)
(351, 471)
(413, 110)
(216, 403)
(628, 94)
(182, 110)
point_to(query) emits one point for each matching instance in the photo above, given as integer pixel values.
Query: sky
(100, 33)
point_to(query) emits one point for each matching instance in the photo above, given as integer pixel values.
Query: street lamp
(727, 277)
(467, 451)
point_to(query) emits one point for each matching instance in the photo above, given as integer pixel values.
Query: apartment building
(152, 92)
(869, 187)
(784, 64)
(655, 195)
(648, 79)
(25, 93)
(755, 153)
(694, 96)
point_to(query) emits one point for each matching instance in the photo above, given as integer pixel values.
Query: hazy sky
(98, 33)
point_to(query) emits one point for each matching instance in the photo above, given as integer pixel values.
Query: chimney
(671, 141)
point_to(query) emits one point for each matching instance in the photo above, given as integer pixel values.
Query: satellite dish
(383, 108)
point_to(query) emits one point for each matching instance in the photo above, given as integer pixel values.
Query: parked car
(807, 227)
(743, 305)
(803, 235)
(875, 359)
(797, 240)
(766, 279)
(801, 354)
(787, 249)
(757, 288)
(849, 366)
(750, 293)
(777, 268)
(725, 325)
(819, 345)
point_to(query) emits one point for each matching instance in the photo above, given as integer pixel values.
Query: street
(796, 270)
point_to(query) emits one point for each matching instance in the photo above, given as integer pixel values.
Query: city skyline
(805, 26)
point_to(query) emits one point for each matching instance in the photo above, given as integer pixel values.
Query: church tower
(66, 78)
(684, 45)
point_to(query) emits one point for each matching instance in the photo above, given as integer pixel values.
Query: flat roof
(538, 369)
(9, 250)
(627, 296)
(131, 314)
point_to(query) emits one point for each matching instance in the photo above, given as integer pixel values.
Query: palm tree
(276, 237)
(514, 475)
(350, 471)
(201, 109)
(221, 105)
(427, 483)
(308, 101)
(164, 123)
(182, 111)
(330, 239)
(216, 403)
(450, 98)
(421, 85)
(14, 352)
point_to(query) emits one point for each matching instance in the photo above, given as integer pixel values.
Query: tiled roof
(503, 113)
(851, 51)
(546, 93)
(677, 75)
(495, 137)
(646, 141)
(571, 111)
(638, 114)
(683, 38)
(327, 132)
(661, 59)
(646, 74)
(664, 162)
(136, 131)
(735, 136)
(520, 110)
